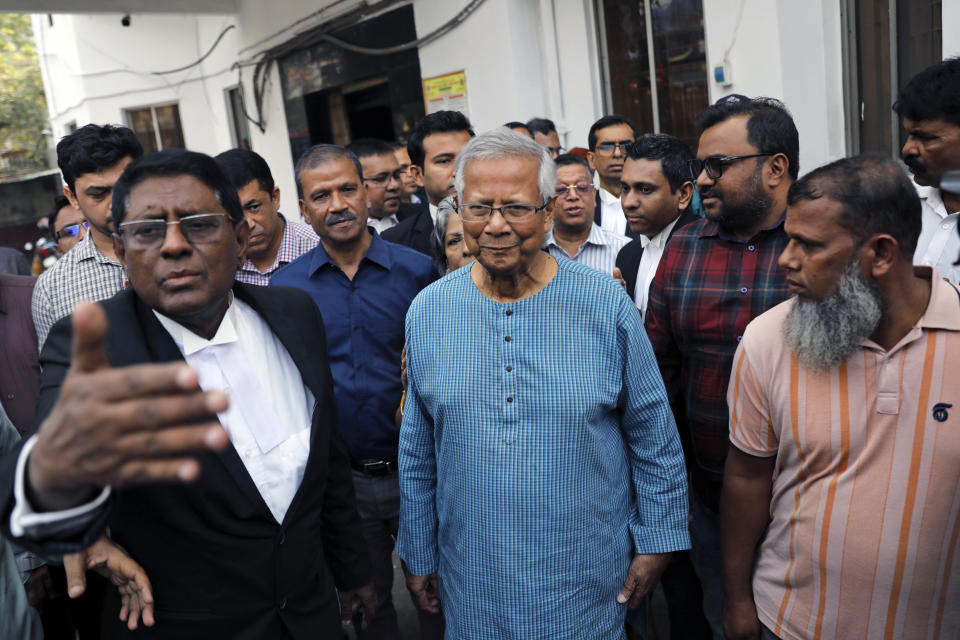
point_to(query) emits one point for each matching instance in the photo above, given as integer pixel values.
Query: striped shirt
(533, 468)
(864, 533)
(83, 273)
(599, 251)
(298, 238)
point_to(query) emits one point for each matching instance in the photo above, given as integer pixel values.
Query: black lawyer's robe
(220, 564)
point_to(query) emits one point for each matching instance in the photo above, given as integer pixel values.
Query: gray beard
(827, 332)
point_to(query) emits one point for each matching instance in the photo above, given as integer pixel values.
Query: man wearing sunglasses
(715, 277)
(67, 224)
(383, 178)
(575, 235)
(608, 140)
(91, 160)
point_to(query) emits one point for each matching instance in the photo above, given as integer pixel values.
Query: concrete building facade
(178, 76)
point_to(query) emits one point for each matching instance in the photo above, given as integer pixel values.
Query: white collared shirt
(939, 244)
(599, 251)
(434, 212)
(612, 218)
(274, 455)
(382, 224)
(649, 261)
(276, 473)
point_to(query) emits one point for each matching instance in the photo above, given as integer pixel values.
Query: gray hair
(439, 235)
(505, 143)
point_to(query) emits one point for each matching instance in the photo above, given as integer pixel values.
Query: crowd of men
(548, 381)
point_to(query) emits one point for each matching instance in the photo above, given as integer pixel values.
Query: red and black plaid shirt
(709, 286)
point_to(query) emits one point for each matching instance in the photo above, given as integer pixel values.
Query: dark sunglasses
(714, 164)
(72, 230)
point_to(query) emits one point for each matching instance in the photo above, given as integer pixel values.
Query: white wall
(787, 50)
(950, 21)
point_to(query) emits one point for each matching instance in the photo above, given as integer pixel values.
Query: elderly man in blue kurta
(541, 474)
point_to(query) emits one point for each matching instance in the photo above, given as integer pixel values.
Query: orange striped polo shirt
(864, 526)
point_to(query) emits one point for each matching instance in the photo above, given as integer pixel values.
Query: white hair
(506, 143)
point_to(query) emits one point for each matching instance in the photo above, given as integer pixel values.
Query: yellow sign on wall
(447, 92)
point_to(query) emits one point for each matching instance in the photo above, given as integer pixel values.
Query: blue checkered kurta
(527, 430)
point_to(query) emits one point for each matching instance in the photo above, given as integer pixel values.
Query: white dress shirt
(434, 212)
(939, 243)
(382, 224)
(649, 261)
(612, 218)
(268, 420)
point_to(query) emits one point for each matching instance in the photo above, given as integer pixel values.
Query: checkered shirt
(708, 287)
(599, 251)
(298, 238)
(537, 455)
(83, 273)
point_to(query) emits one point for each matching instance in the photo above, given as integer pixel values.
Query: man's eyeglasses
(511, 212)
(581, 189)
(72, 230)
(714, 164)
(200, 228)
(608, 147)
(383, 178)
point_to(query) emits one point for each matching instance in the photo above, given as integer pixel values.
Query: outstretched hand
(118, 427)
(112, 562)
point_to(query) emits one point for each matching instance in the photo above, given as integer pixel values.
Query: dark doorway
(334, 96)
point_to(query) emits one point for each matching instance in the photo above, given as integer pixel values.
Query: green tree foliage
(23, 108)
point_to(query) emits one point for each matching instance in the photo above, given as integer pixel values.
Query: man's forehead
(380, 162)
(642, 170)
(173, 193)
(104, 177)
(573, 173)
(445, 142)
(726, 138)
(328, 173)
(614, 133)
(937, 124)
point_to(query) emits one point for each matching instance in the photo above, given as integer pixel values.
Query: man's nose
(337, 201)
(703, 179)
(496, 224)
(174, 242)
(909, 148)
(787, 258)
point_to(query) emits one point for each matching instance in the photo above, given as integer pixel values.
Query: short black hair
(875, 193)
(320, 153)
(519, 125)
(567, 159)
(170, 163)
(93, 148)
(770, 128)
(366, 147)
(676, 158)
(540, 125)
(436, 122)
(59, 202)
(243, 166)
(603, 123)
(934, 93)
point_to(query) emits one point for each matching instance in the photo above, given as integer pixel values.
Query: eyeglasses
(72, 230)
(581, 189)
(511, 212)
(200, 228)
(383, 178)
(608, 147)
(714, 164)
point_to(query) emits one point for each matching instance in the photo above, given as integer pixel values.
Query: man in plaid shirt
(716, 276)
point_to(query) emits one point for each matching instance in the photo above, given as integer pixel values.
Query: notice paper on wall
(446, 93)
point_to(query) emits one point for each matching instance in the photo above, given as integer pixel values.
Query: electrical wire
(266, 58)
(202, 58)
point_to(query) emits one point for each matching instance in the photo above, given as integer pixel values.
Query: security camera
(125, 20)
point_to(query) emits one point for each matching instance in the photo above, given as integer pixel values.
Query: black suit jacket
(628, 260)
(413, 231)
(220, 564)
